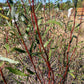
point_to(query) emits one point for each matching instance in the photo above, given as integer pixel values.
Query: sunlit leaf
(3, 16)
(8, 60)
(72, 75)
(1, 63)
(47, 43)
(13, 12)
(39, 21)
(0, 8)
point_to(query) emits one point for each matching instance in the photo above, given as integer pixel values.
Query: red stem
(38, 29)
(67, 66)
(3, 76)
(32, 17)
(32, 12)
(50, 70)
(77, 35)
(9, 5)
(25, 46)
(27, 51)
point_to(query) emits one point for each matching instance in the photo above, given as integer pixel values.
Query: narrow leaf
(1, 63)
(19, 50)
(8, 60)
(72, 75)
(79, 24)
(45, 32)
(38, 7)
(31, 72)
(16, 71)
(31, 47)
(3, 16)
(54, 22)
(7, 47)
(47, 43)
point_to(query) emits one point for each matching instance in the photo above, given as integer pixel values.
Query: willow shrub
(40, 51)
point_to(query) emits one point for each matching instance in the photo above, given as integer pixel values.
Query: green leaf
(72, 75)
(7, 47)
(47, 43)
(71, 71)
(78, 24)
(72, 38)
(16, 71)
(38, 7)
(1, 8)
(8, 60)
(25, 18)
(19, 50)
(31, 72)
(36, 38)
(45, 32)
(13, 12)
(31, 47)
(54, 22)
(22, 18)
(83, 76)
(59, 75)
(39, 22)
(1, 63)
(80, 42)
(69, 22)
(3, 16)
(8, 13)
(12, 33)
(27, 31)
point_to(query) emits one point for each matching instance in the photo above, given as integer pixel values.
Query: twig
(3, 76)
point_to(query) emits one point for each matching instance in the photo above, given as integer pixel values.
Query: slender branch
(67, 66)
(78, 34)
(27, 51)
(3, 76)
(25, 47)
(9, 5)
(50, 70)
